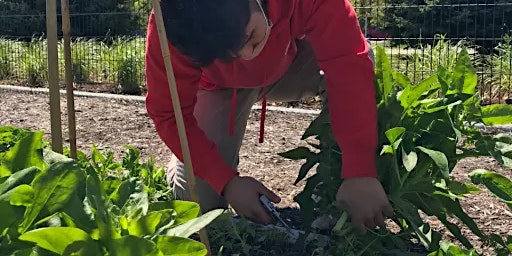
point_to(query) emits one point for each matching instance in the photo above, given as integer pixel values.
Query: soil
(110, 124)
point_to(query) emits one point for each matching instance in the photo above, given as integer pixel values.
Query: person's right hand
(243, 193)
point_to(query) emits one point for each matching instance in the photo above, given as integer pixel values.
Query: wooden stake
(66, 33)
(53, 75)
(178, 114)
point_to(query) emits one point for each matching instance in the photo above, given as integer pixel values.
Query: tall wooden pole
(53, 74)
(178, 114)
(66, 33)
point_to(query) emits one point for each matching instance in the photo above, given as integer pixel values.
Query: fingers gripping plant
(424, 129)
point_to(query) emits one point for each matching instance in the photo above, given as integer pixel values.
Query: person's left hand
(366, 201)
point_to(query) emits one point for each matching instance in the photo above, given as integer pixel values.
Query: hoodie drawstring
(263, 112)
(262, 119)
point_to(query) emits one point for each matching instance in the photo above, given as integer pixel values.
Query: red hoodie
(342, 53)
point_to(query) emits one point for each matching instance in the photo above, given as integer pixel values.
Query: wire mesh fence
(418, 35)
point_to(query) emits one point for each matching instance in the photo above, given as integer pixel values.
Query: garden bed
(110, 124)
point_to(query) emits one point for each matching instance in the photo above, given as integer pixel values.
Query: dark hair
(206, 30)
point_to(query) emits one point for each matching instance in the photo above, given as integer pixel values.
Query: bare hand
(366, 201)
(243, 194)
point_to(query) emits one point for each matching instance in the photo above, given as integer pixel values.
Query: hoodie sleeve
(206, 159)
(343, 54)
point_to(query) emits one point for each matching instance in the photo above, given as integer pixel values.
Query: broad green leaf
(439, 159)
(297, 153)
(122, 193)
(24, 176)
(394, 134)
(497, 114)
(410, 95)
(459, 188)
(83, 248)
(137, 205)
(498, 184)
(55, 239)
(52, 189)
(180, 246)
(23, 195)
(75, 209)
(409, 160)
(26, 153)
(185, 210)
(134, 246)
(9, 214)
(145, 225)
(450, 249)
(464, 78)
(190, 227)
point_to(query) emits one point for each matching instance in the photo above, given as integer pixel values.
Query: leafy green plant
(498, 81)
(5, 62)
(35, 63)
(53, 205)
(424, 130)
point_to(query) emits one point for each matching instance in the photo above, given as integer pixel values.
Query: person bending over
(228, 55)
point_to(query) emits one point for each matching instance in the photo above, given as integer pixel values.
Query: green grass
(122, 63)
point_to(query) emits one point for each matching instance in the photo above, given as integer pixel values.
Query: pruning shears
(275, 215)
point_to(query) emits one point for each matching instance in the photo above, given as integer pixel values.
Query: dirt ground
(110, 124)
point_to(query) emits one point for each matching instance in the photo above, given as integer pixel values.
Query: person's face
(257, 32)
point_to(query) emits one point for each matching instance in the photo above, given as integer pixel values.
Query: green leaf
(453, 206)
(134, 246)
(317, 125)
(26, 153)
(297, 153)
(459, 188)
(185, 210)
(190, 227)
(122, 193)
(497, 184)
(497, 114)
(464, 78)
(444, 78)
(394, 134)
(83, 248)
(55, 239)
(439, 159)
(52, 189)
(22, 196)
(24, 176)
(145, 225)
(96, 198)
(383, 74)
(410, 160)
(10, 214)
(304, 169)
(402, 80)
(410, 95)
(180, 246)
(449, 249)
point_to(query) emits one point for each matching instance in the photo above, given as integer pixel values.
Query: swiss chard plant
(54, 205)
(424, 130)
